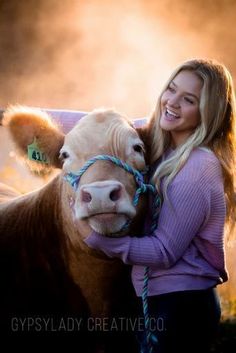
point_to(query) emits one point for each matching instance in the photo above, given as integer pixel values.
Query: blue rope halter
(74, 179)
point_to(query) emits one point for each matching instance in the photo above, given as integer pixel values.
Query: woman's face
(180, 113)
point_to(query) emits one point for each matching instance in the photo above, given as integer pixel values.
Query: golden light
(82, 55)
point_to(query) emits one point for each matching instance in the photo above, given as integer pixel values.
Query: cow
(46, 268)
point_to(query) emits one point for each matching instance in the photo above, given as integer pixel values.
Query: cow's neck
(95, 273)
(98, 280)
(35, 229)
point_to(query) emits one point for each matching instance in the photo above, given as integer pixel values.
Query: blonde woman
(192, 149)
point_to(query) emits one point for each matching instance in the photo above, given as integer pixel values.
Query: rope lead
(74, 179)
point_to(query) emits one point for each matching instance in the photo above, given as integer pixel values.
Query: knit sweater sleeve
(180, 219)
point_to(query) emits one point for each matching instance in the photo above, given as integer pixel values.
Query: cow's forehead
(100, 128)
(103, 119)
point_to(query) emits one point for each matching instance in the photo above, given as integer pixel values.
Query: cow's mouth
(104, 217)
(109, 224)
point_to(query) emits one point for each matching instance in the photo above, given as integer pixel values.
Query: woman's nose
(173, 101)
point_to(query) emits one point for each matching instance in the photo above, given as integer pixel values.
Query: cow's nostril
(115, 195)
(86, 196)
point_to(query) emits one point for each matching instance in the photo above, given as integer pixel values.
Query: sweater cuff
(93, 240)
(112, 247)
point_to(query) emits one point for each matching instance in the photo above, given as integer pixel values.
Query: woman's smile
(180, 106)
(170, 115)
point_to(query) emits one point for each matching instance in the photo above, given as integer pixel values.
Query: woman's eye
(138, 148)
(189, 100)
(171, 89)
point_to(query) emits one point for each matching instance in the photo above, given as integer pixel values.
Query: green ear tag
(34, 153)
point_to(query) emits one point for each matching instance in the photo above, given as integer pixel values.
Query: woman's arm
(69, 118)
(66, 118)
(180, 220)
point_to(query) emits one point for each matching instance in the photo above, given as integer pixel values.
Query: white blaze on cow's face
(104, 197)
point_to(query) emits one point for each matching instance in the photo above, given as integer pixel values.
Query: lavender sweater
(187, 249)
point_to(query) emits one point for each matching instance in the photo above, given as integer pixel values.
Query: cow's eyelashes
(138, 148)
(64, 155)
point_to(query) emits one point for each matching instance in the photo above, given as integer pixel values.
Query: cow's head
(104, 196)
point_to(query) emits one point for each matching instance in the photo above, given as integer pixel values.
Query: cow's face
(104, 196)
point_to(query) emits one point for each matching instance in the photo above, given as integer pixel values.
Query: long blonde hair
(217, 130)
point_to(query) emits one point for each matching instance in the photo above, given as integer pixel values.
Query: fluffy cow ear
(36, 136)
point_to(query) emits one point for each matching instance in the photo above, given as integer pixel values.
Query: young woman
(193, 147)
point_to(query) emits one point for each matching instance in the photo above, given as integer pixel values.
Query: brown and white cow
(46, 268)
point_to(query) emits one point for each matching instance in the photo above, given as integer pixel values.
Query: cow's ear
(35, 134)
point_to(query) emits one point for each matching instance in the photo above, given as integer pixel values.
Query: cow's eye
(138, 148)
(64, 155)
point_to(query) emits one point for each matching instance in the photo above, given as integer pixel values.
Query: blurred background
(80, 55)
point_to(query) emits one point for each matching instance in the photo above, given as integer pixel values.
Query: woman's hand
(112, 247)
